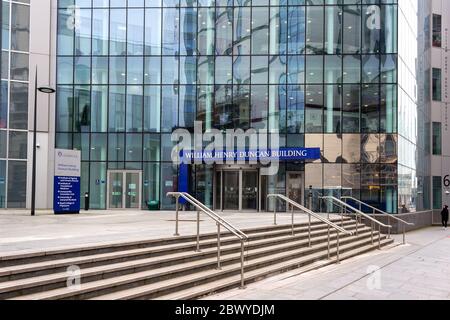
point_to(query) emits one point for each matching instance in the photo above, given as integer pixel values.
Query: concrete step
(253, 248)
(182, 288)
(259, 274)
(195, 270)
(29, 257)
(21, 271)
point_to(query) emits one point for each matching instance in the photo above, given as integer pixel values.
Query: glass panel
(115, 190)
(20, 27)
(249, 190)
(118, 31)
(133, 186)
(18, 145)
(352, 29)
(5, 25)
(2, 184)
(135, 30)
(151, 183)
(4, 104)
(83, 33)
(231, 190)
(206, 30)
(188, 31)
(17, 184)
(99, 115)
(100, 31)
(294, 186)
(116, 109)
(315, 30)
(18, 108)
(19, 66)
(152, 109)
(171, 29)
(153, 31)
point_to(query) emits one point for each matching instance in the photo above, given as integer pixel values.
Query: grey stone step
(223, 282)
(21, 271)
(27, 257)
(264, 246)
(252, 276)
(162, 275)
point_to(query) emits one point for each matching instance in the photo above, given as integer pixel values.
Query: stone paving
(419, 270)
(21, 232)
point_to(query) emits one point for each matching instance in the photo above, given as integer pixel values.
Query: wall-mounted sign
(283, 154)
(66, 190)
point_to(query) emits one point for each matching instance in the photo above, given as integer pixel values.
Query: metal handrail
(219, 221)
(361, 214)
(310, 214)
(381, 212)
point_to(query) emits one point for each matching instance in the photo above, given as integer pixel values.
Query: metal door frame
(302, 186)
(240, 170)
(124, 188)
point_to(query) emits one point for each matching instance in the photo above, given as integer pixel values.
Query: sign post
(66, 190)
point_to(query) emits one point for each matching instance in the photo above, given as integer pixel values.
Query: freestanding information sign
(66, 191)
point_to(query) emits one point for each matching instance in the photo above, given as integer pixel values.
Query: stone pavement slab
(21, 232)
(419, 270)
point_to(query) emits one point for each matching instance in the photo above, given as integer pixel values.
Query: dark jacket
(444, 214)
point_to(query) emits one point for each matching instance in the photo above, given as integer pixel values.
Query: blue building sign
(283, 154)
(66, 190)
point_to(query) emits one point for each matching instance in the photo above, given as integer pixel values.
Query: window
(437, 30)
(437, 138)
(437, 192)
(437, 84)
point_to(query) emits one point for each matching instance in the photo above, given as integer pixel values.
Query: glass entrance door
(237, 190)
(115, 190)
(295, 186)
(231, 190)
(249, 190)
(124, 189)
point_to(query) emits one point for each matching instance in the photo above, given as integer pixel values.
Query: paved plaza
(20, 232)
(419, 270)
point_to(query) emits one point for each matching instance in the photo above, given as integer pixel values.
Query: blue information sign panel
(66, 190)
(67, 195)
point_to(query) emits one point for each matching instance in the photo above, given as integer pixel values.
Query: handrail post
(371, 232)
(329, 256)
(389, 229)
(218, 247)
(177, 200)
(379, 237)
(275, 213)
(338, 258)
(356, 224)
(292, 220)
(309, 229)
(404, 234)
(198, 230)
(242, 265)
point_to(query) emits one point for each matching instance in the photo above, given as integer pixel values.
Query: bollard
(86, 201)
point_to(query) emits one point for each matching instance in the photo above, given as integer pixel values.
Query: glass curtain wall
(15, 29)
(322, 72)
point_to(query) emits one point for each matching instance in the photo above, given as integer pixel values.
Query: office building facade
(334, 75)
(433, 65)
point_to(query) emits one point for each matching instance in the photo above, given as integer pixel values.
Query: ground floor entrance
(245, 189)
(124, 189)
(236, 189)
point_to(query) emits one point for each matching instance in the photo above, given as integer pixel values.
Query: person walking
(444, 215)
